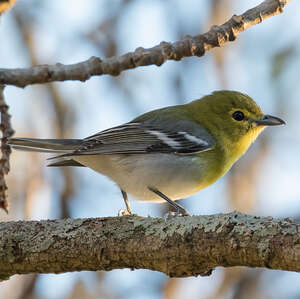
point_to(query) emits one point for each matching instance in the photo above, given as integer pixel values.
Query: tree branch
(188, 46)
(7, 131)
(180, 246)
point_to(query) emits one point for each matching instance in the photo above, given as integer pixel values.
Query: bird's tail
(49, 146)
(45, 145)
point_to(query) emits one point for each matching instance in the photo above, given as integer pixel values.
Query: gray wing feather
(45, 145)
(184, 138)
(66, 162)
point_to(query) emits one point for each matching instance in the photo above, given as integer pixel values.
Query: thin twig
(197, 45)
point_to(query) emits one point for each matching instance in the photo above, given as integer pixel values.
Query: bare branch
(180, 246)
(7, 131)
(188, 46)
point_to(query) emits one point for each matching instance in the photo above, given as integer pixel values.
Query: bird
(169, 153)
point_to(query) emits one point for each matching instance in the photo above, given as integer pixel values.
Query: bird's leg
(180, 210)
(128, 211)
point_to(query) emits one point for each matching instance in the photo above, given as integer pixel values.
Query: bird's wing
(136, 138)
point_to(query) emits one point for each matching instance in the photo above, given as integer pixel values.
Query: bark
(178, 246)
(157, 55)
(7, 131)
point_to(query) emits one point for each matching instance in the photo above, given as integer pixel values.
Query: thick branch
(180, 246)
(188, 46)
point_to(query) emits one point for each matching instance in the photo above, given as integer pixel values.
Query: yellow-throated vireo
(169, 153)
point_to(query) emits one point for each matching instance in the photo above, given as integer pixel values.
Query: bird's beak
(269, 120)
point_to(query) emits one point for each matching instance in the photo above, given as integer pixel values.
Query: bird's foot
(172, 214)
(124, 212)
(180, 210)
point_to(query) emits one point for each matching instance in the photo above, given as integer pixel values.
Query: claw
(180, 210)
(171, 214)
(124, 212)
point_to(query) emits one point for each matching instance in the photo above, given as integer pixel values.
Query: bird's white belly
(175, 176)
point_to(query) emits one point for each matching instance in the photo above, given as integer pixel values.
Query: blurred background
(263, 62)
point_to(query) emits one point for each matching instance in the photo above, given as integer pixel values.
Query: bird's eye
(238, 115)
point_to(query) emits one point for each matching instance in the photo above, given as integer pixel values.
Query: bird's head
(233, 117)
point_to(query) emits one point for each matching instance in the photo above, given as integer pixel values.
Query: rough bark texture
(7, 131)
(188, 46)
(180, 246)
